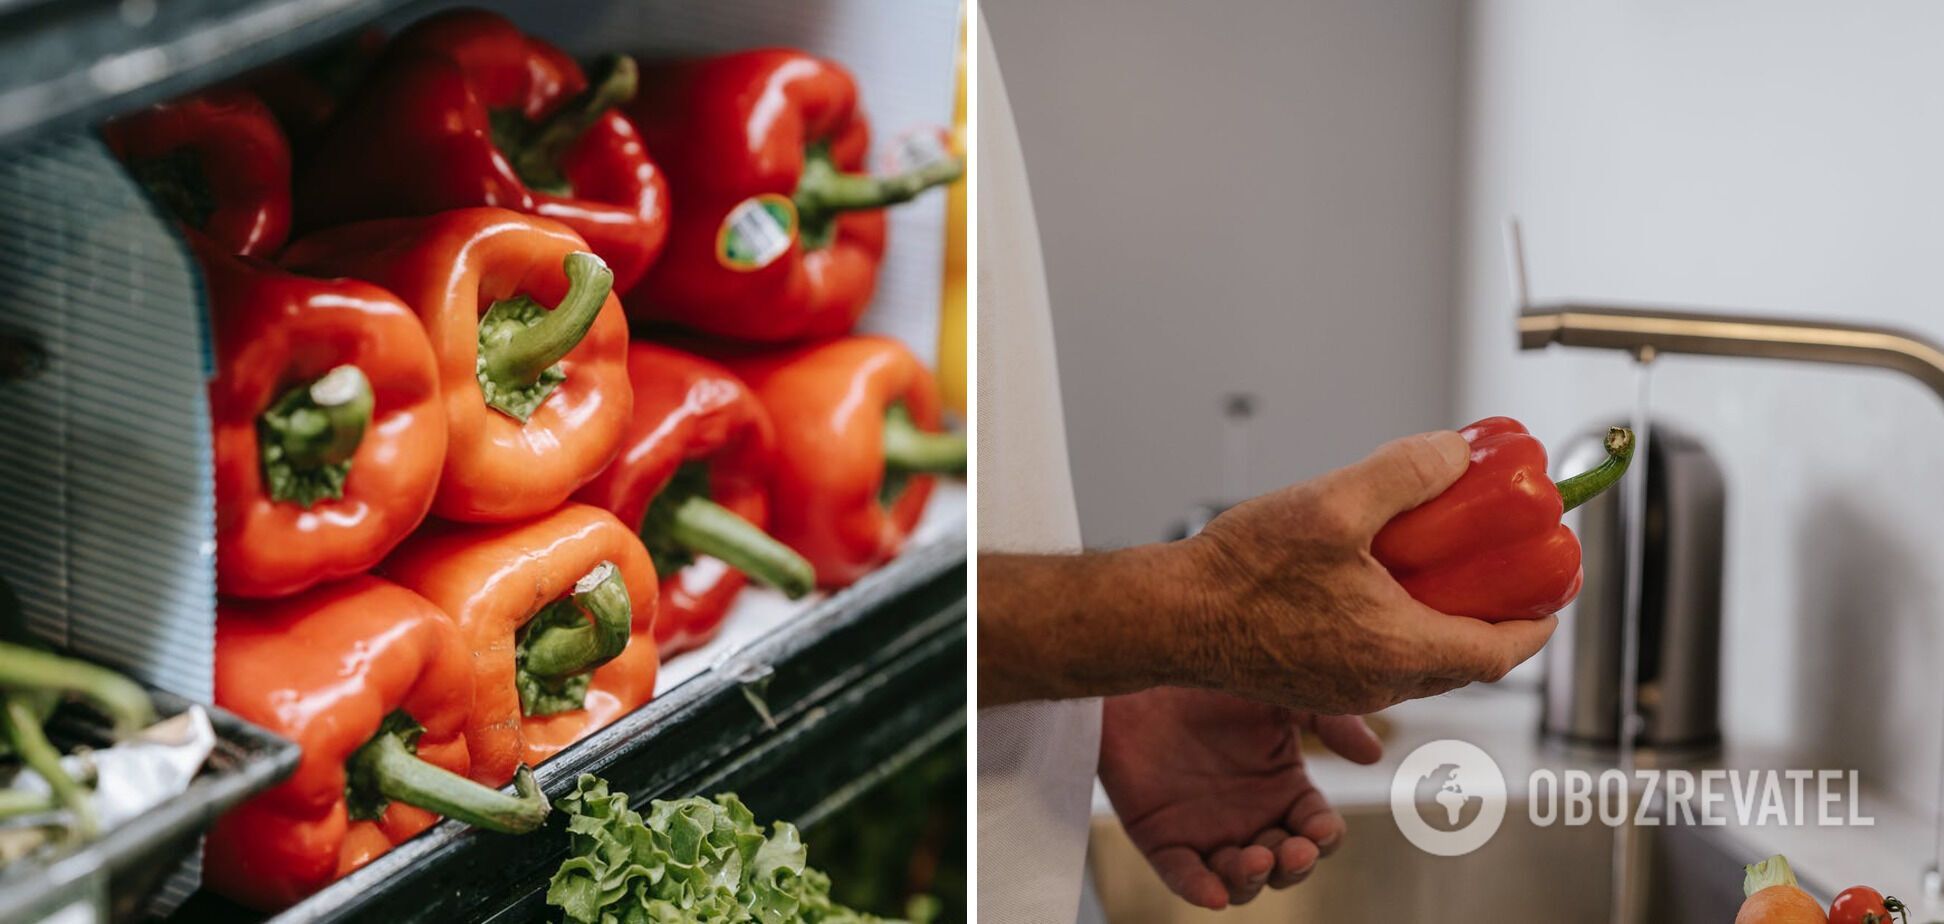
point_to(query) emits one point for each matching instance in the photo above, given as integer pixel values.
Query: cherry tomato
(1862, 905)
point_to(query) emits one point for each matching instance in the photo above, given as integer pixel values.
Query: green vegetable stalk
(687, 860)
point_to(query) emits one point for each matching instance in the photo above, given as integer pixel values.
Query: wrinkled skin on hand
(1298, 612)
(1213, 791)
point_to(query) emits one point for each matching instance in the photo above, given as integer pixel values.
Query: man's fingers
(1295, 859)
(1187, 876)
(1473, 650)
(1313, 819)
(1244, 870)
(1349, 738)
(1401, 474)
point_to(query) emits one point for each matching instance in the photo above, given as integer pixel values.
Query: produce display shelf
(119, 873)
(798, 723)
(69, 63)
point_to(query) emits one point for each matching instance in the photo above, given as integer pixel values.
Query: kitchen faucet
(1647, 331)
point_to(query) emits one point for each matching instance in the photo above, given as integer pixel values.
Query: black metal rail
(862, 682)
(68, 63)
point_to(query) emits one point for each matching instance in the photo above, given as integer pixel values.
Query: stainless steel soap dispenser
(1679, 652)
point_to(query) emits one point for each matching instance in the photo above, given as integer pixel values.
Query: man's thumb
(1401, 474)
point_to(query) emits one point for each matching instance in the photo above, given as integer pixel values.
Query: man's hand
(1299, 613)
(1277, 599)
(1212, 789)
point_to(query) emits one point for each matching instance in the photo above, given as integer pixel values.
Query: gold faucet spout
(1651, 330)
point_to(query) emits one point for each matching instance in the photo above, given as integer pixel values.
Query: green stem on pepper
(387, 769)
(522, 343)
(557, 650)
(910, 449)
(537, 157)
(307, 436)
(823, 192)
(683, 515)
(1586, 485)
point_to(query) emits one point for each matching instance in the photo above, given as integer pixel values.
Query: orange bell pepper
(855, 421)
(541, 604)
(328, 431)
(531, 344)
(692, 476)
(370, 680)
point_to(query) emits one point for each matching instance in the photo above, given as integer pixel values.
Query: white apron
(1036, 760)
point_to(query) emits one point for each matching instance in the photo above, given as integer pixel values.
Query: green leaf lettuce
(691, 859)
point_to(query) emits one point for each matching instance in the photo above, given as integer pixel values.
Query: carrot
(1774, 897)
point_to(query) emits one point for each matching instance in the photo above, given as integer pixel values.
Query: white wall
(1260, 198)
(1780, 157)
(1256, 196)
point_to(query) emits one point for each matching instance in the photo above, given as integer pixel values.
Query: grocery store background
(1304, 200)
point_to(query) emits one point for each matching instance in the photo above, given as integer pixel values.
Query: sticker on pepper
(918, 148)
(756, 232)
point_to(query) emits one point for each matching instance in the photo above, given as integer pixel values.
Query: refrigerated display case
(798, 706)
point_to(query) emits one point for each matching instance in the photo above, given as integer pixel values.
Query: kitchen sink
(1554, 874)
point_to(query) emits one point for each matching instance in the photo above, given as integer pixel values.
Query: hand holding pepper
(1278, 599)
(1491, 546)
(531, 346)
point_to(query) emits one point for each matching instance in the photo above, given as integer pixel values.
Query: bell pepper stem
(708, 528)
(823, 190)
(614, 84)
(563, 651)
(123, 700)
(321, 423)
(402, 776)
(516, 356)
(30, 742)
(910, 449)
(1586, 485)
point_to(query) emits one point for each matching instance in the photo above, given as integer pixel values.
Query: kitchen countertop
(1503, 720)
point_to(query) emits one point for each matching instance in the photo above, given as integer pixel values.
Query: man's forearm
(1096, 624)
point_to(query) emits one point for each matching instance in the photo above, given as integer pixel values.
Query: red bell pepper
(371, 681)
(692, 477)
(465, 110)
(855, 421)
(1491, 546)
(216, 161)
(776, 236)
(536, 398)
(305, 93)
(328, 430)
(541, 604)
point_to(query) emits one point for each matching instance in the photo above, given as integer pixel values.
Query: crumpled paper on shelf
(133, 776)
